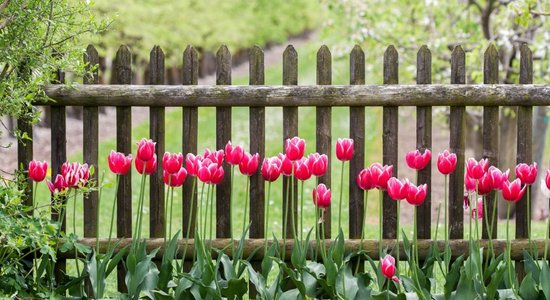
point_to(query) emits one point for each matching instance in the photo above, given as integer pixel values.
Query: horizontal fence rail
(320, 96)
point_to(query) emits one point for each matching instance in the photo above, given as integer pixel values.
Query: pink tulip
(381, 175)
(215, 156)
(302, 170)
(286, 165)
(75, 174)
(58, 186)
(365, 181)
(37, 170)
(387, 266)
(484, 185)
(321, 196)
(417, 194)
(547, 179)
(512, 191)
(119, 163)
(210, 172)
(192, 163)
(271, 168)
(175, 179)
(497, 177)
(147, 167)
(469, 183)
(397, 189)
(295, 148)
(249, 164)
(317, 164)
(416, 160)
(171, 162)
(527, 173)
(344, 149)
(145, 150)
(446, 162)
(233, 155)
(476, 169)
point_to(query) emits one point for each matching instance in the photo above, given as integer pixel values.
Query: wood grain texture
(323, 138)
(357, 133)
(257, 145)
(424, 141)
(223, 135)
(490, 126)
(290, 130)
(157, 218)
(390, 119)
(123, 75)
(457, 125)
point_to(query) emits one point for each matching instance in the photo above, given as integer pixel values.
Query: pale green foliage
(31, 31)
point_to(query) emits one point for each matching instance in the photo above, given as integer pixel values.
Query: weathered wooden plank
(457, 124)
(333, 95)
(323, 137)
(424, 141)
(223, 134)
(190, 133)
(290, 130)
(357, 133)
(157, 218)
(490, 127)
(90, 144)
(390, 119)
(257, 145)
(122, 72)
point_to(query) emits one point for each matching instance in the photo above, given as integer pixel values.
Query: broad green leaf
(545, 279)
(528, 288)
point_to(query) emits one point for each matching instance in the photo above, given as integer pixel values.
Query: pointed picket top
(391, 65)
(156, 66)
(256, 66)
(190, 65)
(424, 65)
(91, 59)
(324, 65)
(223, 66)
(526, 64)
(357, 65)
(490, 65)
(123, 65)
(290, 66)
(458, 65)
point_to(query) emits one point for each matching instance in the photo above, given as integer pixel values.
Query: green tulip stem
(323, 245)
(166, 209)
(139, 216)
(529, 218)
(285, 217)
(397, 237)
(231, 200)
(189, 222)
(546, 238)
(317, 237)
(74, 231)
(341, 195)
(266, 230)
(171, 212)
(210, 236)
(492, 225)
(302, 212)
(205, 213)
(363, 226)
(246, 202)
(509, 245)
(380, 200)
(489, 229)
(292, 212)
(446, 227)
(113, 208)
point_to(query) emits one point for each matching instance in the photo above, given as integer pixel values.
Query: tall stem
(546, 238)
(529, 217)
(97, 213)
(74, 231)
(380, 200)
(509, 245)
(446, 227)
(231, 202)
(246, 203)
(317, 237)
(171, 210)
(489, 230)
(113, 212)
(292, 212)
(397, 241)
(323, 246)
(341, 194)
(267, 217)
(205, 213)
(193, 203)
(285, 217)
(302, 212)
(166, 209)
(211, 213)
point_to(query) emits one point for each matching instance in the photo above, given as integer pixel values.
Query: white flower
(544, 189)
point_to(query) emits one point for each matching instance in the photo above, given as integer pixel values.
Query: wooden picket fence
(290, 96)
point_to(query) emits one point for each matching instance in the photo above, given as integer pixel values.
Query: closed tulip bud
(215, 156)
(321, 196)
(527, 173)
(317, 164)
(192, 164)
(146, 167)
(145, 150)
(171, 162)
(387, 266)
(249, 164)
(286, 165)
(397, 189)
(418, 161)
(210, 172)
(58, 186)
(302, 170)
(233, 155)
(417, 194)
(381, 175)
(484, 185)
(476, 169)
(446, 162)
(175, 179)
(512, 191)
(469, 183)
(344, 149)
(119, 163)
(295, 148)
(497, 177)
(365, 181)
(37, 170)
(271, 168)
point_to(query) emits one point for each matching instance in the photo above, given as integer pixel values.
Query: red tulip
(387, 266)
(317, 164)
(484, 185)
(416, 160)
(192, 163)
(512, 191)
(249, 164)
(119, 163)
(150, 165)
(497, 177)
(381, 175)
(37, 170)
(476, 169)
(302, 170)
(75, 174)
(321, 196)
(215, 156)
(478, 209)
(417, 194)
(446, 162)
(294, 148)
(58, 186)
(175, 179)
(344, 149)
(547, 179)
(469, 183)
(286, 165)
(527, 173)
(233, 155)
(210, 172)
(397, 189)
(271, 168)
(171, 162)
(145, 150)
(365, 181)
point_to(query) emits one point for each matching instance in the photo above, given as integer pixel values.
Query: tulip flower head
(171, 162)
(302, 170)
(418, 161)
(146, 167)
(397, 189)
(271, 168)
(295, 148)
(321, 196)
(547, 179)
(119, 163)
(476, 169)
(417, 194)
(58, 186)
(446, 162)
(365, 181)
(75, 174)
(469, 183)
(317, 164)
(544, 188)
(527, 173)
(210, 172)
(497, 177)
(145, 150)
(215, 156)
(381, 175)
(344, 149)
(37, 170)
(175, 179)
(233, 155)
(249, 164)
(286, 165)
(512, 191)
(387, 266)
(192, 164)
(484, 185)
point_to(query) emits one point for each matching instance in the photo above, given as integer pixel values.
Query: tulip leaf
(545, 279)
(452, 278)
(528, 288)
(531, 266)
(291, 295)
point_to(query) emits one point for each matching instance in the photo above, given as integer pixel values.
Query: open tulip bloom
(418, 161)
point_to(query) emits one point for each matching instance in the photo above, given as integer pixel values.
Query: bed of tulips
(312, 270)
